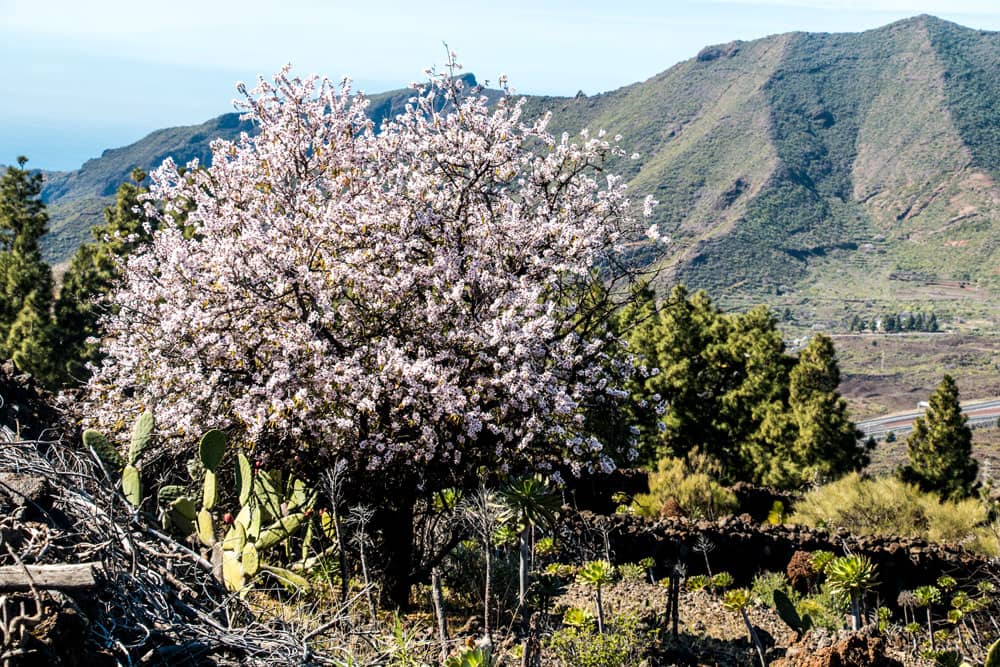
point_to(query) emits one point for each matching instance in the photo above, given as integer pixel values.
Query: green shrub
(623, 645)
(692, 486)
(722, 580)
(632, 572)
(766, 583)
(825, 609)
(888, 506)
(697, 582)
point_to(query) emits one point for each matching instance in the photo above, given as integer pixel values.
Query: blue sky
(80, 77)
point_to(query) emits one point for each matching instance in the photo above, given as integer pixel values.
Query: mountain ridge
(800, 166)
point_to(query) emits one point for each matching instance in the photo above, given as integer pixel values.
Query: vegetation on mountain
(93, 272)
(721, 384)
(940, 447)
(25, 279)
(785, 171)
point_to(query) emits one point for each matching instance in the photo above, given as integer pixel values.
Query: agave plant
(738, 599)
(926, 597)
(851, 577)
(597, 573)
(532, 503)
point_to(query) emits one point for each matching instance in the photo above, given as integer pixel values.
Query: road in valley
(978, 412)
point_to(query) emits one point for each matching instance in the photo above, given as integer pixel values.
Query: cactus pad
(212, 448)
(141, 434)
(132, 485)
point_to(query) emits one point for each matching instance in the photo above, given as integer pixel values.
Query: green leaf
(236, 538)
(287, 577)
(279, 531)
(244, 477)
(168, 494)
(232, 571)
(206, 528)
(185, 507)
(209, 490)
(993, 657)
(251, 560)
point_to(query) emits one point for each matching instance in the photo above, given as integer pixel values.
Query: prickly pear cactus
(250, 559)
(244, 477)
(206, 528)
(142, 433)
(281, 530)
(109, 455)
(209, 490)
(132, 485)
(168, 493)
(993, 657)
(232, 571)
(212, 448)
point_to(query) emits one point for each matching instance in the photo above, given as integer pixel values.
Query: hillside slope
(829, 174)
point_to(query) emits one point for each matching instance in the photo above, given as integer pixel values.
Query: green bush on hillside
(888, 506)
(693, 487)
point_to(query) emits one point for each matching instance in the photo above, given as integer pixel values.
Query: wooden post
(66, 576)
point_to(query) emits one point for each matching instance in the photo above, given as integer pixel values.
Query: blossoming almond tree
(408, 298)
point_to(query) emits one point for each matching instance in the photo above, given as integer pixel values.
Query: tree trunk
(523, 568)
(600, 611)
(442, 620)
(753, 637)
(488, 594)
(392, 526)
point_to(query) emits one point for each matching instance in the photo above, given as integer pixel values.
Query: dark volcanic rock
(24, 404)
(857, 650)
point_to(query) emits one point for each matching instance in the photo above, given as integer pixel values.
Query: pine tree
(827, 442)
(688, 333)
(93, 272)
(940, 447)
(25, 278)
(29, 340)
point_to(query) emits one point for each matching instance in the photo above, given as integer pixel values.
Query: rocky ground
(711, 635)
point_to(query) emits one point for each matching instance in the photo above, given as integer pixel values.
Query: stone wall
(744, 548)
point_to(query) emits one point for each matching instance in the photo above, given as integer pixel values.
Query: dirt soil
(709, 633)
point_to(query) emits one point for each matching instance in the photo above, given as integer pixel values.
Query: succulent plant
(131, 478)
(993, 655)
(851, 577)
(738, 599)
(597, 573)
(471, 657)
(108, 455)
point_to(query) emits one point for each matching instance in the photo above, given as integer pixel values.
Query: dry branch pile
(153, 601)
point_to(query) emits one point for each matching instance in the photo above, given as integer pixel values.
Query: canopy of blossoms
(403, 295)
